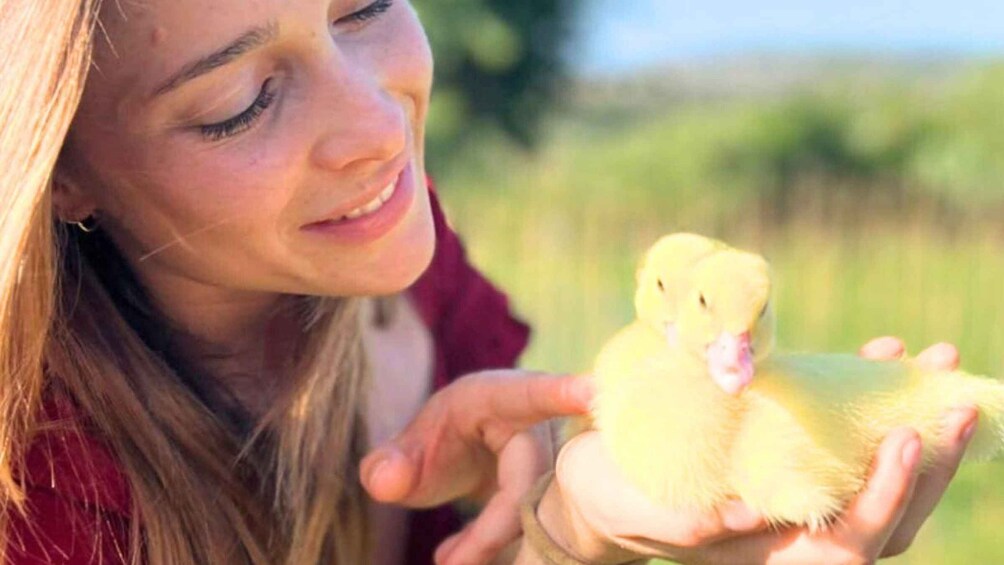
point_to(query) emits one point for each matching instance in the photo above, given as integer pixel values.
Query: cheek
(249, 184)
(404, 58)
(185, 191)
(207, 215)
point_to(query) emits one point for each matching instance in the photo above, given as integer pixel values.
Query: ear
(71, 202)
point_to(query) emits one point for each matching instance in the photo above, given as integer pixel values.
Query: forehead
(142, 41)
(734, 270)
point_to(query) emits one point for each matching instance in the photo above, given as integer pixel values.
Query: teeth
(374, 204)
(387, 193)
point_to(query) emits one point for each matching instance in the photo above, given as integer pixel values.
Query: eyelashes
(267, 95)
(374, 10)
(243, 121)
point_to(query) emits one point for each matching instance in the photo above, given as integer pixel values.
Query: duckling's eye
(763, 312)
(662, 287)
(704, 303)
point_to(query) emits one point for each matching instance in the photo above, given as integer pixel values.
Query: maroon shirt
(77, 493)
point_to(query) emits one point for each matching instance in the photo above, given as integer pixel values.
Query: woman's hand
(960, 425)
(615, 523)
(599, 518)
(476, 438)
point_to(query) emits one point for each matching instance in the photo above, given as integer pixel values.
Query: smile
(374, 219)
(373, 205)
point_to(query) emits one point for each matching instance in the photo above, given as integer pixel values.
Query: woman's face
(222, 144)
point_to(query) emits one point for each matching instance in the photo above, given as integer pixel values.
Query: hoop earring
(85, 227)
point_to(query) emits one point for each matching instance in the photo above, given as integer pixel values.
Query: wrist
(568, 530)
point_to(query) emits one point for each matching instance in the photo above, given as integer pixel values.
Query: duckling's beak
(730, 362)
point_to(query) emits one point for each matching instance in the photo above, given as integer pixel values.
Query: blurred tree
(499, 65)
(825, 143)
(961, 157)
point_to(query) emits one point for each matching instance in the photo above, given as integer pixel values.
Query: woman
(197, 197)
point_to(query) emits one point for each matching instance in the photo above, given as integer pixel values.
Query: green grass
(561, 233)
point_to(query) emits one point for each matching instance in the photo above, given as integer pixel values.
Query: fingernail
(911, 453)
(939, 357)
(377, 466)
(883, 348)
(385, 457)
(967, 434)
(960, 418)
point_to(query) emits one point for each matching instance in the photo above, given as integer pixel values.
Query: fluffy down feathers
(696, 410)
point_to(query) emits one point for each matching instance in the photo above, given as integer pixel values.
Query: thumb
(450, 448)
(388, 474)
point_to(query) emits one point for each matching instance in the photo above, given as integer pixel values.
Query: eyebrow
(248, 41)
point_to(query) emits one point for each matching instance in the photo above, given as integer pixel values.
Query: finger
(520, 463)
(455, 435)
(526, 400)
(388, 475)
(512, 405)
(883, 348)
(874, 514)
(939, 357)
(498, 524)
(959, 428)
(446, 548)
(481, 540)
(861, 530)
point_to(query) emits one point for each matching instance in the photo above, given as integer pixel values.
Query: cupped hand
(593, 512)
(615, 523)
(475, 438)
(883, 520)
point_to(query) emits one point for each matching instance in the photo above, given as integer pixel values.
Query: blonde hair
(74, 322)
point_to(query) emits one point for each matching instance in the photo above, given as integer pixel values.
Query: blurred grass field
(562, 229)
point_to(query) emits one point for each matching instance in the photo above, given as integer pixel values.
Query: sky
(617, 36)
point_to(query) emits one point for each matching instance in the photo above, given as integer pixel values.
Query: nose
(361, 122)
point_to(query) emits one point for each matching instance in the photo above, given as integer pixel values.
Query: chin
(393, 283)
(402, 270)
(396, 263)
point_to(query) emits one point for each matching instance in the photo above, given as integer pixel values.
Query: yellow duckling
(695, 409)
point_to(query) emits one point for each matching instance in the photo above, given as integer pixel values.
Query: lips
(369, 227)
(376, 195)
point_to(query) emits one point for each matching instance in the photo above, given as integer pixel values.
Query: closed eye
(368, 13)
(243, 121)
